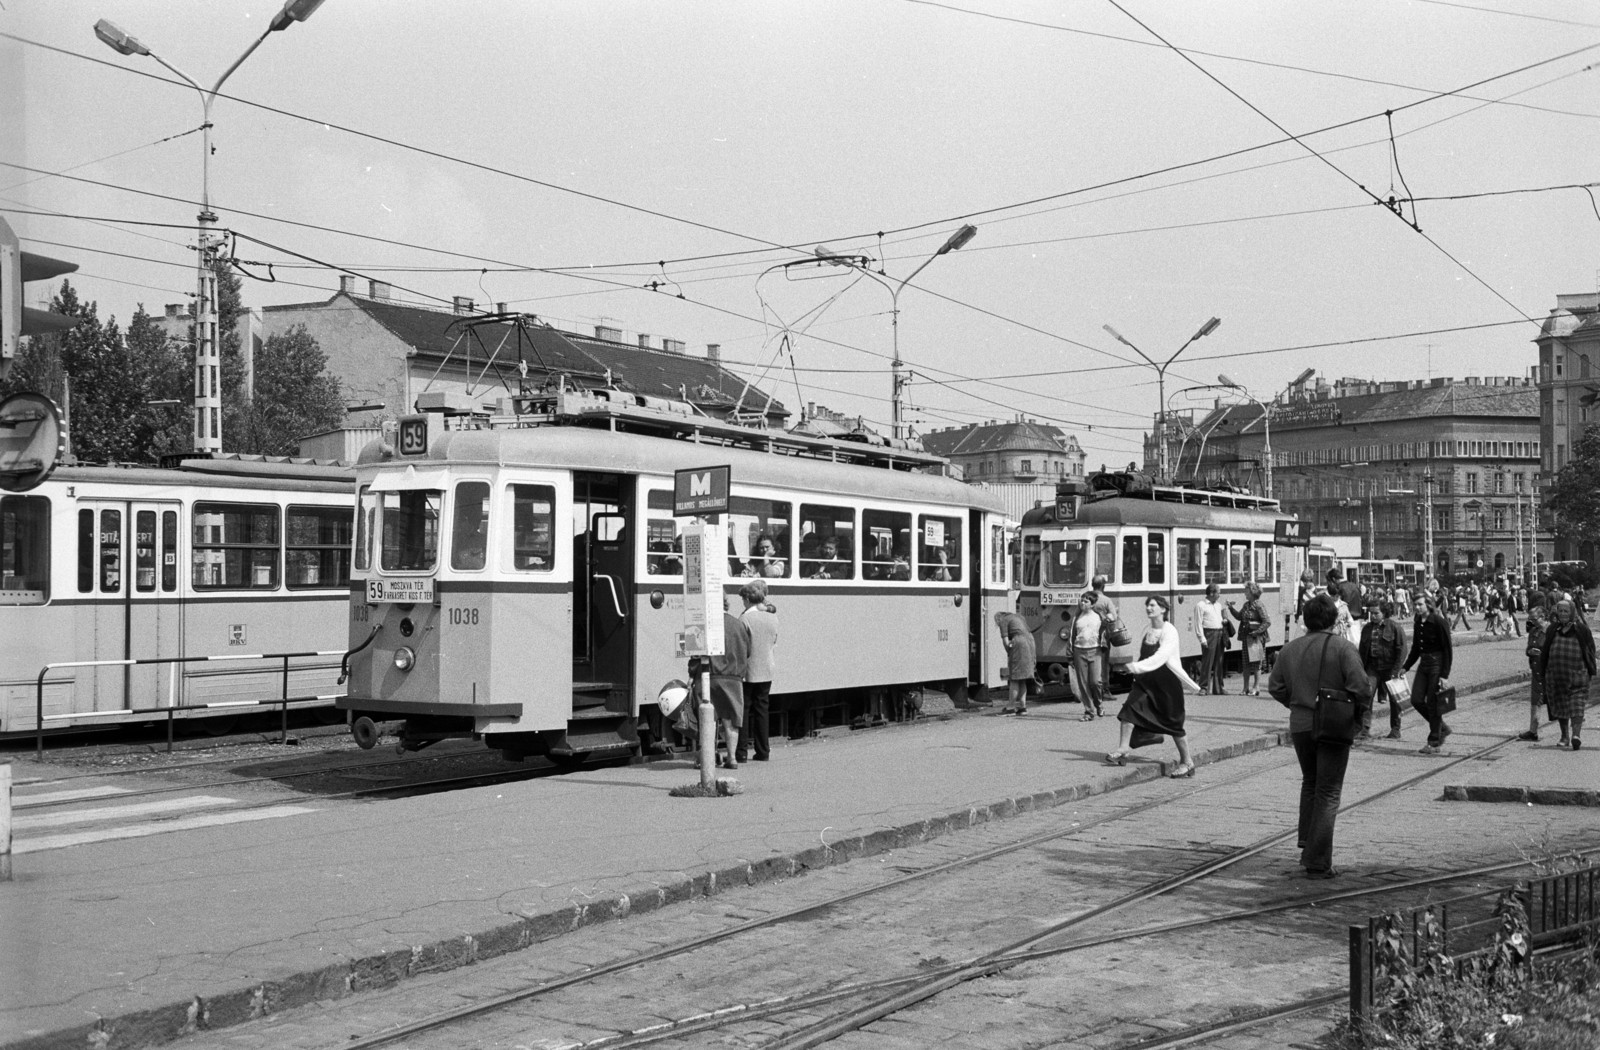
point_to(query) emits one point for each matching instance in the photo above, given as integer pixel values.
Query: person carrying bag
(1319, 678)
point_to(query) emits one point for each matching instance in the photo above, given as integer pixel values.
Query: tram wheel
(365, 732)
(217, 726)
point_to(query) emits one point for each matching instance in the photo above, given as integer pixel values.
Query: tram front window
(1066, 563)
(410, 529)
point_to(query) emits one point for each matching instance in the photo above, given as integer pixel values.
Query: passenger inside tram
(832, 563)
(765, 560)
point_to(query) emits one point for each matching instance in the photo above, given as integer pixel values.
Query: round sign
(32, 441)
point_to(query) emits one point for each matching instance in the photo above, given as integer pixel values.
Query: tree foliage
(1575, 494)
(294, 396)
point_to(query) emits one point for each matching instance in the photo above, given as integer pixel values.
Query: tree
(294, 396)
(1575, 494)
(164, 371)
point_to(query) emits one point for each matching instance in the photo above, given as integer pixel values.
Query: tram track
(892, 995)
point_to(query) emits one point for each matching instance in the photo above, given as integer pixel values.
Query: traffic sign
(1291, 533)
(31, 441)
(701, 491)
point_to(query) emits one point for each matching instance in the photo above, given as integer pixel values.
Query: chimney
(347, 284)
(499, 308)
(714, 353)
(644, 340)
(462, 304)
(175, 309)
(378, 289)
(605, 331)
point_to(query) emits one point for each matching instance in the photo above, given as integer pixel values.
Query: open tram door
(603, 616)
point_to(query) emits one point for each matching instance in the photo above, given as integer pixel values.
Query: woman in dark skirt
(1568, 660)
(1020, 659)
(1155, 703)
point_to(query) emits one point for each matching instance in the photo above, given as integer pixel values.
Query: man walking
(1431, 652)
(1108, 615)
(763, 625)
(1382, 642)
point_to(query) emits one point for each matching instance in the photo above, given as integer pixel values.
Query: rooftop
(1021, 434)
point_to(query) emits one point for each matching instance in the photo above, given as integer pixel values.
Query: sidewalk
(134, 942)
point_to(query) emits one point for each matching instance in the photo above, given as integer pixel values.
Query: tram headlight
(404, 657)
(1065, 633)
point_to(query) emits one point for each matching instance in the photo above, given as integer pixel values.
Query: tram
(210, 559)
(1147, 539)
(1386, 572)
(519, 578)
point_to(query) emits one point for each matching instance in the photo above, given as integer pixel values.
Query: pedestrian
(1155, 702)
(1460, 610)
(1109, 618)
(1254, 628)
(1491, 612)
(727, 683)
(1020, 660)
(1432, 653)
(759, 669)
(1209, 616)
(1382, 642)
(1568, 662)
(1535, 652)
(1087, 631)
(1306, 668)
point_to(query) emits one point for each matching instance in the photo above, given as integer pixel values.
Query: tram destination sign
(1291, 533)
(406, 590)
(703, 490)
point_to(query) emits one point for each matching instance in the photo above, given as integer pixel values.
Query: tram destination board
(410, 590)
(703, 490)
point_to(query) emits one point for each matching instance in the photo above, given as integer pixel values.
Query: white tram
(216, 558)
(1147, 540)
(520, 579)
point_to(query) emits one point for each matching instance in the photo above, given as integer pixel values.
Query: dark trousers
(757, 696)
(1211, 661)
(1379, 680)
(1423, 688)
(1322, 766)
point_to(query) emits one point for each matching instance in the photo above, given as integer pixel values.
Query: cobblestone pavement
(1099, 997)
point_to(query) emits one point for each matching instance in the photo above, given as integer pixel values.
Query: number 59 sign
(414, 436)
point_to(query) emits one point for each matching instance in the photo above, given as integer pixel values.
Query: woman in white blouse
(1154, 707)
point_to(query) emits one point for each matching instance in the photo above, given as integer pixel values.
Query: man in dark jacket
(1382, 642)
(1431, 651)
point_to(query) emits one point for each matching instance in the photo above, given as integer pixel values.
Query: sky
(1143, 164)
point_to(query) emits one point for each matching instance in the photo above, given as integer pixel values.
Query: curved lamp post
(855, 262)
(1266, 424)
(207, 373)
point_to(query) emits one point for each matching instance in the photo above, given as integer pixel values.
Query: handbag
(1334, 717)
(1117, 633)
(1399, 689)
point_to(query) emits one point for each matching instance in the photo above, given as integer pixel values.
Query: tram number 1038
(462, 616)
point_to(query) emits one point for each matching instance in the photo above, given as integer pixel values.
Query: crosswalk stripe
(137, 809)
(130, 831)
(21, 801)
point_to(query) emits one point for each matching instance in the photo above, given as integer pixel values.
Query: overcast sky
(569, 147)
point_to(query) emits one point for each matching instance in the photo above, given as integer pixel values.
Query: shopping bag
(1399, 689)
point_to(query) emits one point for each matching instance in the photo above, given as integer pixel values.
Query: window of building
(1472, 481)
(1559, 359)
(1561, 456)
(1441, 518)
(533, 528)
(24, 550)
(1516, 481)
(1027, 467)
(317, 546)
(1499, 481)
(1499, 518)
(235, 547)
(1561, 411)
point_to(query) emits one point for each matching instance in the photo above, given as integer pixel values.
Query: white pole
(708, 734)
(5, 822)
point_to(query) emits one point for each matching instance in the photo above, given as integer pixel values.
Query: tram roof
(217, 473)
(584, 448)
(1125, 510)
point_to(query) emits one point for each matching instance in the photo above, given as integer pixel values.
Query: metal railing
(172, 707)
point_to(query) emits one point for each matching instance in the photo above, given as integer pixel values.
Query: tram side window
(317, 547)
(111, 552)
(1266, 564)
(886, 545)
(939, 554)
(663, 543)
(1239, 561)
(1066, 562)
(827, 542)
(85, 551)
(1133, 559)
(169, 550)
(366, 514)
(1158, 558)
(469, 526)
(758, 537)
(24, 550)
(997, 554)
(1105, 556)
(1188, 551)
(1031, 548)
(533, 528)
(1216, 561)
(235, 546)
(410, 524)
(144, 550)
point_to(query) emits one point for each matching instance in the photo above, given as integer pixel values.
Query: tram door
(602, 591)
(120, 549)
(155, 615)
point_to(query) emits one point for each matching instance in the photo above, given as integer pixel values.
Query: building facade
(1569, 390)
(1380, 461)
(1020, 451)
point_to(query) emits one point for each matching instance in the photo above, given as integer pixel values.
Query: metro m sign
(703, 490)
(1286, 533)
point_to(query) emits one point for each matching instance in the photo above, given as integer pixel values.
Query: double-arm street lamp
(207, 373)
(855, 262)
(1161, 383)
(1266, 424)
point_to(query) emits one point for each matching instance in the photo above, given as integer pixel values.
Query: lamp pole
(207, 370)
(897, 380)
(1266, 425)
(1161, 382)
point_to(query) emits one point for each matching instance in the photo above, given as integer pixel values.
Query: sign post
(5, 822)
(703, 494)
(1291, 532)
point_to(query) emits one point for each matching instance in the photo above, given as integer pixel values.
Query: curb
(1530, 796)
(173, 1021)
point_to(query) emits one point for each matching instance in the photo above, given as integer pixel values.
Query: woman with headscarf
(1020, 661)
(1254, 628)
(1567, 662)
(1155, 702)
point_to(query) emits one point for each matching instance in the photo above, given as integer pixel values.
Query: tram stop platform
(137, 941)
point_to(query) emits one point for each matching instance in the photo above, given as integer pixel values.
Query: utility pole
(1427, 523)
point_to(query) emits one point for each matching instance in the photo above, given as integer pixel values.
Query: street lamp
(1161, 382)
(952, 243)
(1266, 424)
(207, 373)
